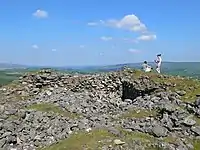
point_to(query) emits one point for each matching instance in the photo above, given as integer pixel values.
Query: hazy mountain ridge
(11, 66)
(173, 68)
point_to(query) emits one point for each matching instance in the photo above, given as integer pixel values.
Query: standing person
(146, 67)
(158, 62)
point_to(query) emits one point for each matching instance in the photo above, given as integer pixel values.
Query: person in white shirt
(146, 67)
(158, 62)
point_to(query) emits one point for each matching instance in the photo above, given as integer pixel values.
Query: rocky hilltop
(123, 110)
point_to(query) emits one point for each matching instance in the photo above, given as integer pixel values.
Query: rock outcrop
(43, 108)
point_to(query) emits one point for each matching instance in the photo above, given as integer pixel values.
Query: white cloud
(40, 14)
(134, 50)
(128, 22)
(106, 38)
(35, 46)
(82, 46)
(147, 37)
(95, 23)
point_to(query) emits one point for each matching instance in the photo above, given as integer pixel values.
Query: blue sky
(98, 32)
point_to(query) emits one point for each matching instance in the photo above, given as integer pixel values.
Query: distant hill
(4, 66)
(173, 68)
(10, 72)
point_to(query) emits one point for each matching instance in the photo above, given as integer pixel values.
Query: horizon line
(103, 65)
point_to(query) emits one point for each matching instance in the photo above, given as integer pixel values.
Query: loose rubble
(96, 102)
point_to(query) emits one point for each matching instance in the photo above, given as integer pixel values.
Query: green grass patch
(91, 141)
(139, 113)
(96, 139)
(13, 117)
(170, 139)
(145, 139)
(51, 108)
(7, 77)
(196, 144)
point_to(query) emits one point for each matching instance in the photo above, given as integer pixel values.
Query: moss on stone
(48, 107)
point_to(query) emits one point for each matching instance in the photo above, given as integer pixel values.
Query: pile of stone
(109, 85)
(98, 100)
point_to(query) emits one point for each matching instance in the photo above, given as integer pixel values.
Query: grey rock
(190, 146)
(128, 101)
(197, 102)
(5, 134)
(196, 130)
(188, 121)
(114, 131)
(118, 142)
(197, 112)
(10, 112)
(181, 93)
(159, 131)
(2, 142)
(48, 93)
(2, 108)
(167, 107)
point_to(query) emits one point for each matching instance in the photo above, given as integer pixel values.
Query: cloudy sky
(98, 32)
